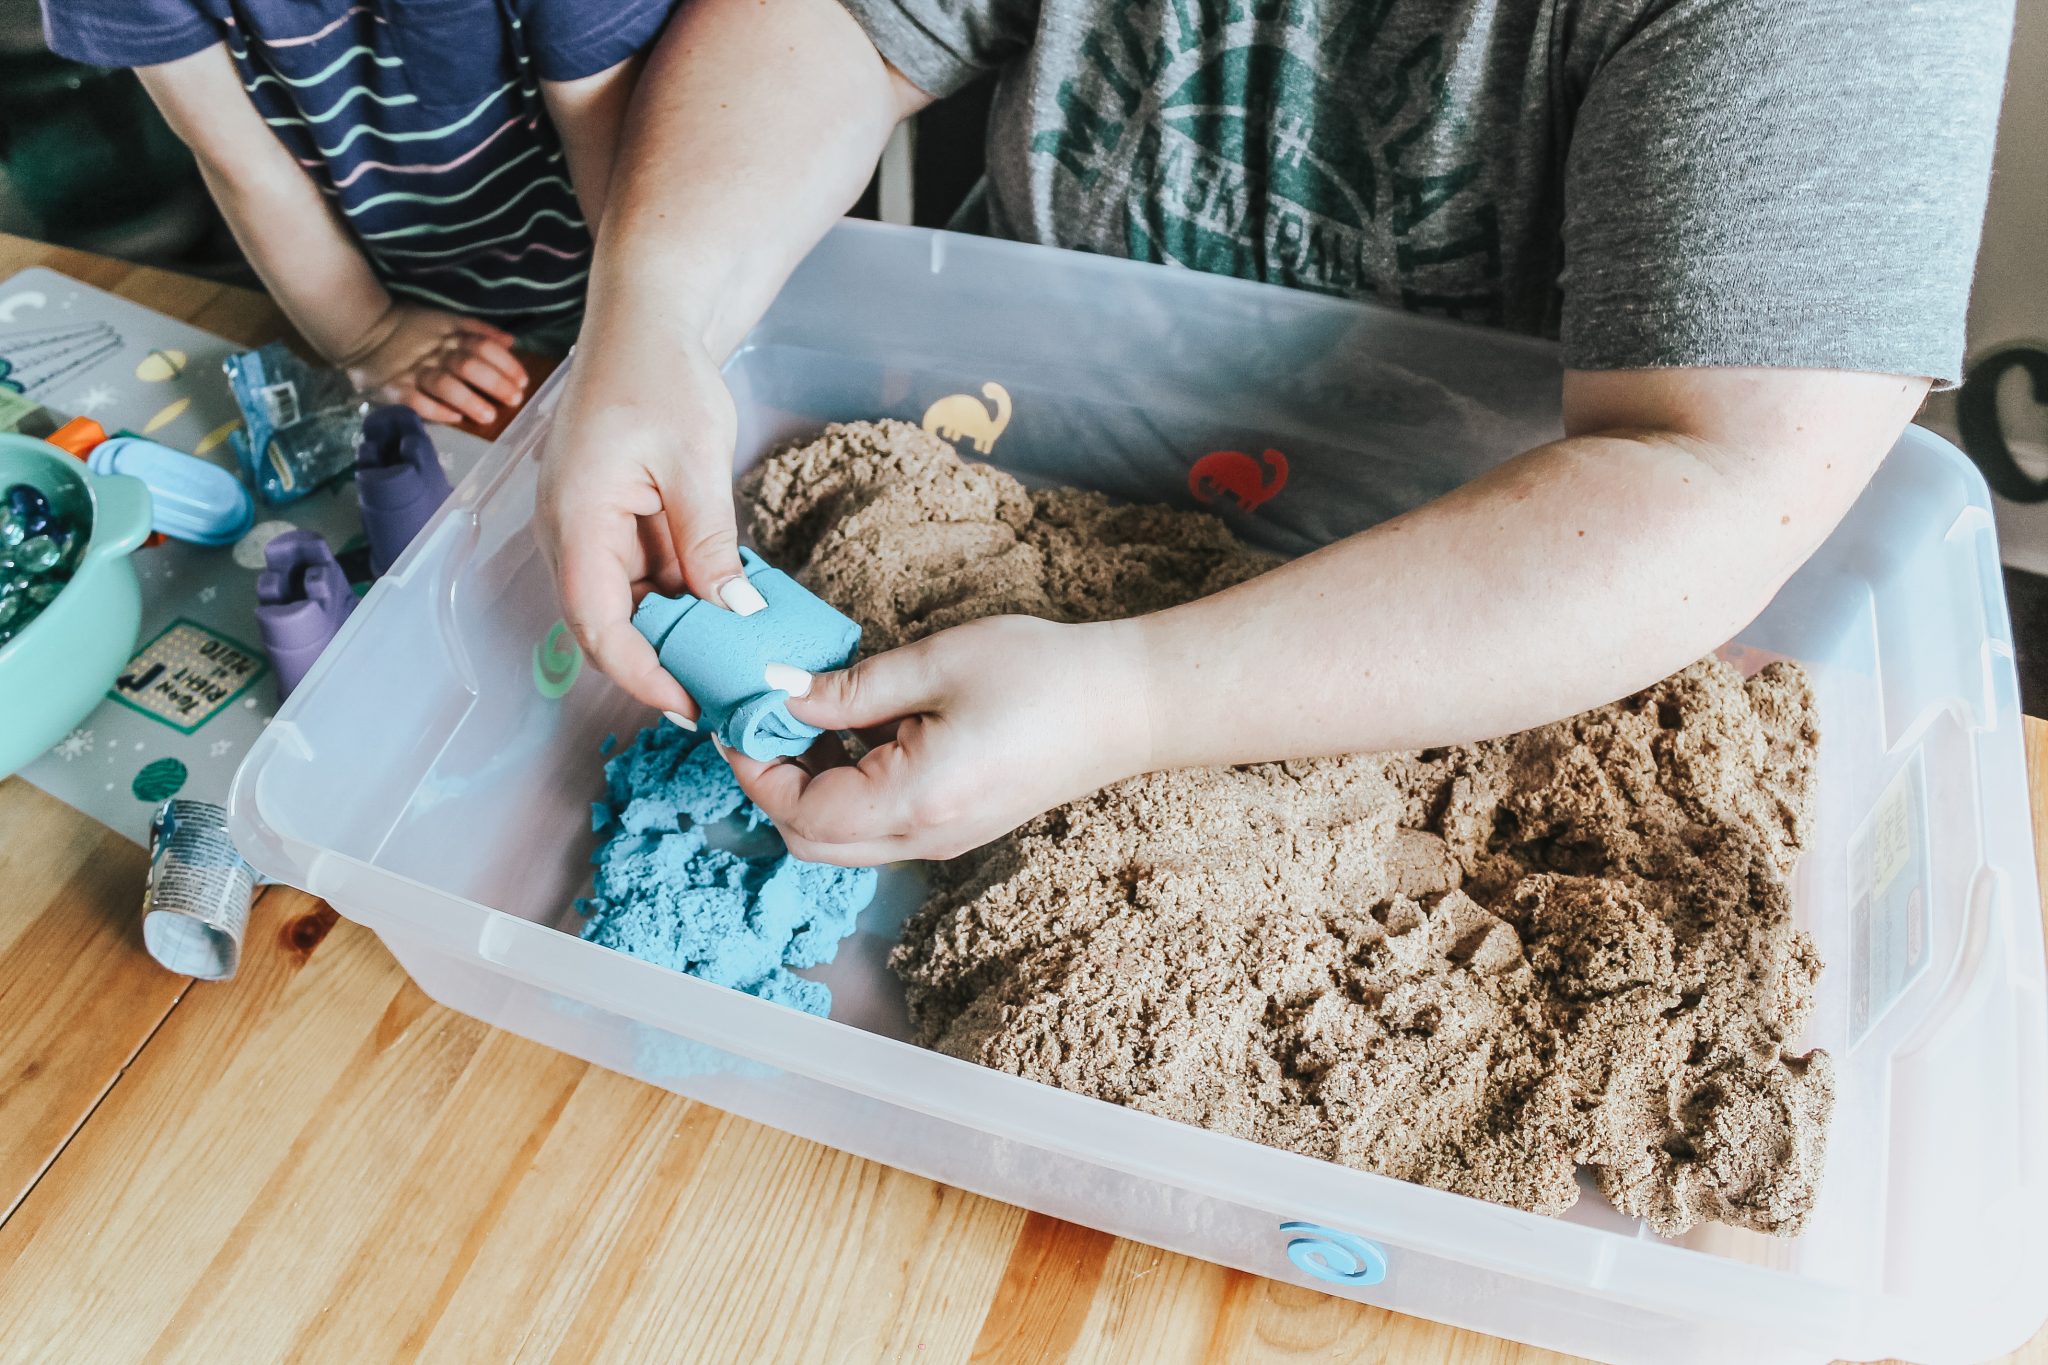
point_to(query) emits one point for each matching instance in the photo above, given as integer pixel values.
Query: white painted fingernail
(740, 597)
(681, 719)
(787, 678)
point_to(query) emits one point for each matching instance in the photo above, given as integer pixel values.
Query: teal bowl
(56, 670)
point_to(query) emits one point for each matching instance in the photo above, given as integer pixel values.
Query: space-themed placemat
(199, 689)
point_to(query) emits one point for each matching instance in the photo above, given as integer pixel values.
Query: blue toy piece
(718, 656)
(190, 499)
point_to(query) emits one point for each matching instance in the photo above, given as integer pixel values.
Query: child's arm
(588, 113)
(445, 366)
(291, 235)
(1674, 509)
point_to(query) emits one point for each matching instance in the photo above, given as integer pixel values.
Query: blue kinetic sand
(665, 893)
(718, 656)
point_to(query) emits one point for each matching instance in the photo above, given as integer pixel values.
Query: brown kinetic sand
(1479, 968)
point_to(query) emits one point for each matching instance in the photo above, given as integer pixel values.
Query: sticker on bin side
(1335, 1256)
(1236, 475)
(962, 417)
(1890, 920)
(557, 662)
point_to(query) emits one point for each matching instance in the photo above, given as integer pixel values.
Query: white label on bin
(1890, 920)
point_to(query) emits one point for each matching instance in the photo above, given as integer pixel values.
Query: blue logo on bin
(1335, 1256)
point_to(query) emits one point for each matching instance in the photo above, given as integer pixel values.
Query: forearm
(292, 236)
(589, 114)
(306, 262)
(753, 127)
(1549, 586)
(1572, 575)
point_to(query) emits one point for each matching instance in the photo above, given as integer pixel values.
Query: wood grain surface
(315, 1162)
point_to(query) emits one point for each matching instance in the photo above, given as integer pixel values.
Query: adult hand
(442, 365)
(636, 496)
(975, 730)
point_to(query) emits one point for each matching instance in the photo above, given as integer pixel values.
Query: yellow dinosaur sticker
(960, 416)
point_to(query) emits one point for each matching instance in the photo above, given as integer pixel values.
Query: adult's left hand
(974, 731)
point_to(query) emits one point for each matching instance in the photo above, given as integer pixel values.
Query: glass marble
(38, 554)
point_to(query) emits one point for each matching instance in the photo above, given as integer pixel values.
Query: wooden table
(316, 1162)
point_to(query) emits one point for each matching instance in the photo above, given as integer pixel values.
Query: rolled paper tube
(196, 905)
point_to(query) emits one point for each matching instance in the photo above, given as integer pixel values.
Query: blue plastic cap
(191, 499)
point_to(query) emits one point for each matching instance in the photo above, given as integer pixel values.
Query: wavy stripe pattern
(571, 221)
(416, 135)
(363, 168)
(513, 281)
(476, 212)
(340, 106)
(537, 185)
(485, 310)
(336, 23)
(320, 77)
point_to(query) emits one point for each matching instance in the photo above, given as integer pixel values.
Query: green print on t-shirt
(1222, 140)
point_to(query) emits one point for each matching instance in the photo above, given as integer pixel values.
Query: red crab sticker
(1248, 481)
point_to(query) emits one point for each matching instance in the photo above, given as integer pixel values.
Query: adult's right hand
(636, 496)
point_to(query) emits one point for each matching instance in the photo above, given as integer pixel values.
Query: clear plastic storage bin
(432, 780)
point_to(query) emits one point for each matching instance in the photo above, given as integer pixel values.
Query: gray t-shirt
(1655, 182)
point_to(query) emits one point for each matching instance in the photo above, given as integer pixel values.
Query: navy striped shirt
(421, 119)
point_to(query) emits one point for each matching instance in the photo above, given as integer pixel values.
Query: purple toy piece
(302, 598)
(398, 481)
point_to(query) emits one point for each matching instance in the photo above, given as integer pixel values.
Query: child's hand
(978, 729)
(443, 366)
(635, 496)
